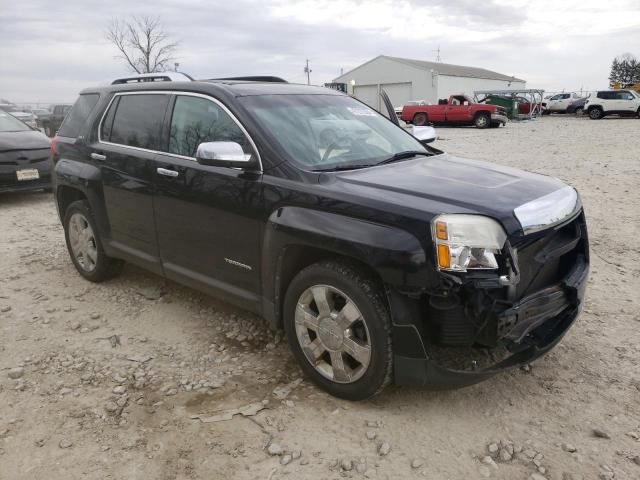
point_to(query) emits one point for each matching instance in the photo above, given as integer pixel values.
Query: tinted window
(75, 120)
(605, 95)
(625, 96)
(196, 120)
(107, 123)
(321, 132)
(138, 120)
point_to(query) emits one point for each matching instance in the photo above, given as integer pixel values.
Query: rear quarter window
(75, 120)
(135, 120)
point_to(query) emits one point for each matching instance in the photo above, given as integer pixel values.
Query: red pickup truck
(457, 110)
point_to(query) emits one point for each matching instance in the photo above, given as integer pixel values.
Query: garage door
(367, 94)
(399, 93)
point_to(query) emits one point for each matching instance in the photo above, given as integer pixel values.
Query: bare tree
(142, 43)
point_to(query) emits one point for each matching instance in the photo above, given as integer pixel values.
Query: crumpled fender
(396, 255)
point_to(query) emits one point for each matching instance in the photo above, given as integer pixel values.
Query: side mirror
(223, 154)
(424, 134)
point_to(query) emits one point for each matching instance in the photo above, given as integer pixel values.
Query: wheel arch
(80, 181)
(296, 237)
(65, 196)
(482, 112)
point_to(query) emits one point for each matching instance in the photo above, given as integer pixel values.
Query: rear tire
(579, 111)
(420, 119)
(84, 244)
(482, 120)
(595, 113)
(343, 342)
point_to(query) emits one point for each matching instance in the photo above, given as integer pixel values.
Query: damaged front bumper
(526, 329)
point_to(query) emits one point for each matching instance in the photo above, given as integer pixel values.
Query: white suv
(613, 102)
(560, 102)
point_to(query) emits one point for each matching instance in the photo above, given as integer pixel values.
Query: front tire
(84, 244)
(579, 111)
(595, 113)
(338, 326)
(482, 120)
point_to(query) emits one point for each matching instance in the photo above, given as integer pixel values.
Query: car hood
(448, 184)
(24, 140)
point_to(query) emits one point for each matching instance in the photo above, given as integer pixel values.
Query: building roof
(445, 69)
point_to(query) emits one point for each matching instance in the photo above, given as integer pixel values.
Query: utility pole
(307, 70)
(437, 52)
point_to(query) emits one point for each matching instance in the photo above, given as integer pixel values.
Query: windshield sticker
(361, 112)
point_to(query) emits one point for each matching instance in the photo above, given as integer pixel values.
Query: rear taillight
(53, 150)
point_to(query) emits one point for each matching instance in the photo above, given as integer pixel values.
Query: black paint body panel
(229, 232)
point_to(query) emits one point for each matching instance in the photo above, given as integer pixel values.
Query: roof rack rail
(154, 77)
(256, 78)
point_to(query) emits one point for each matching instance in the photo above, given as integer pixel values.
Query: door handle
(167, 173)
(98, 156)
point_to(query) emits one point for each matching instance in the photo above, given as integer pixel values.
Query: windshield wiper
(403, 156)
(341, 168)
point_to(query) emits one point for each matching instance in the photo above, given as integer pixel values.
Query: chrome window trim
(175, 93)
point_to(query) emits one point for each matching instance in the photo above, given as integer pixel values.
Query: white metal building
(404, 79)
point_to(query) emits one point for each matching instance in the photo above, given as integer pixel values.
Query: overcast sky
(49, 51)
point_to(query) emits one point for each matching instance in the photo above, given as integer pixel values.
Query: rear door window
(75, 120)
(137, 121)
(196, 120)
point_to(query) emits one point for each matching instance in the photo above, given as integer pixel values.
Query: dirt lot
(109, 377)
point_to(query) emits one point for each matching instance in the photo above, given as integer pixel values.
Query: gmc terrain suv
(625, 103)
(381, 257)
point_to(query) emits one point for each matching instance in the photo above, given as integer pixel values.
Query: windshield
(8, 123)
(324, 132)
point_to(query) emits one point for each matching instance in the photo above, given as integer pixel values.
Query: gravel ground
(134, 378)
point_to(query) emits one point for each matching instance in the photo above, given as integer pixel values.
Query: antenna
(437, 52)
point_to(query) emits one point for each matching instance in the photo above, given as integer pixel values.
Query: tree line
(625, 71)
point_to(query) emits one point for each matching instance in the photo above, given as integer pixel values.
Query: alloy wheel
(332, 334)
(83, 242)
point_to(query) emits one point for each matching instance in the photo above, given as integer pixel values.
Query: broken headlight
(467, 242)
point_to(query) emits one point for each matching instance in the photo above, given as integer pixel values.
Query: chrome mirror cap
(226, 151)
(224, 154)
(424, 134)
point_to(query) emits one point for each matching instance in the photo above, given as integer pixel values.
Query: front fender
(396, 255)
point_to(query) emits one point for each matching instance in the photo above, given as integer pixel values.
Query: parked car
(58, 113)
(42, 115)
(457, 110)
(8, 107)
(24, 156)
(559, 103)
(613, 102)
(376, 253)
(26, 117)
(577, 107)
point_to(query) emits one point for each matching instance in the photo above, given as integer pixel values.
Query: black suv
(381, 257)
